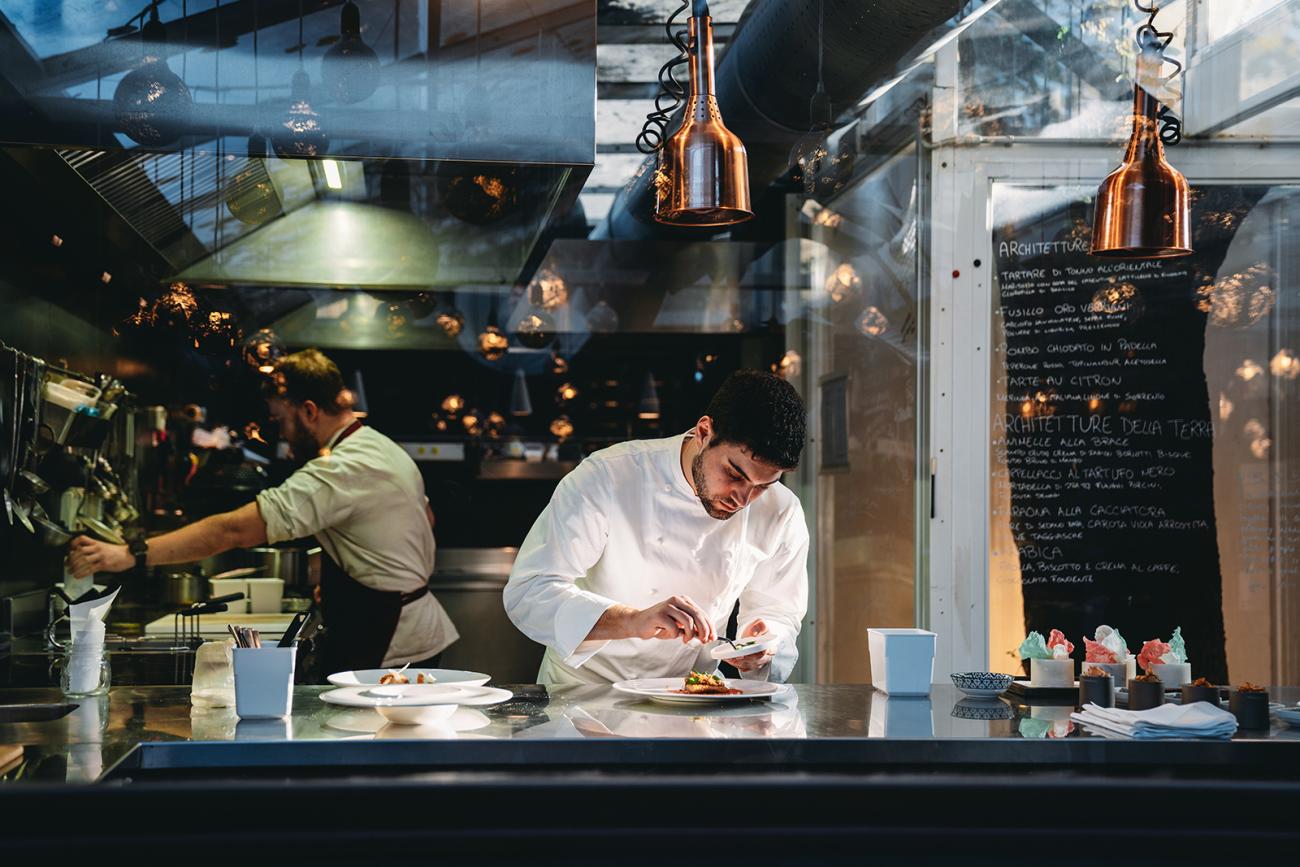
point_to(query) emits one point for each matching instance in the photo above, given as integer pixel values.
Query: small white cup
(264, 681)
(1173, 674)
(265, 595)
(1051, 673)
(902, 660)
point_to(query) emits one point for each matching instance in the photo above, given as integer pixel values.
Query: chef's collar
(680, 481)
(340, 433)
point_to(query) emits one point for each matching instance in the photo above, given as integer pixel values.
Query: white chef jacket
(625, 527)
(363, 499)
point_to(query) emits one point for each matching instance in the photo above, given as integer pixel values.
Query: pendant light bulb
(1143, 207)
(356, 395)
(350, 69)
(299, 133)
(702, 177)
(152, 104)
(810, 155)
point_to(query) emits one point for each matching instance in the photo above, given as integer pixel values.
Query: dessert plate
(666, 690)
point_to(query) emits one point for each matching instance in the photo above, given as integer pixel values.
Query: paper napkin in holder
(214, 675)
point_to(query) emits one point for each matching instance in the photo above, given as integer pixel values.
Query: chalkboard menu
(1102, 433)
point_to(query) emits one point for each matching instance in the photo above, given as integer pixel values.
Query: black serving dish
(1192, 693)
(1097, 690)
(1250, 709)
(1045, 695)
(1145, 694)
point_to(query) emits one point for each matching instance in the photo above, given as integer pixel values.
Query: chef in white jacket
(635, 565)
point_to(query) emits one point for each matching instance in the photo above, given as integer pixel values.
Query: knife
(290, 636)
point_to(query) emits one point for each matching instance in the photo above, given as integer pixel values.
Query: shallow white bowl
(417, 715)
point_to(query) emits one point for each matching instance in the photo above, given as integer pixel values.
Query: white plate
(982, 693)
(664, 690)
(722, 650)
(440, 675)
(363, 696)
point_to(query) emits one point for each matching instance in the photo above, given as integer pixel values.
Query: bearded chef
(634, 567)
(359, 494)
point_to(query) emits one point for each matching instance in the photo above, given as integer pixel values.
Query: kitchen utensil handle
(290, 635)
(229, 597)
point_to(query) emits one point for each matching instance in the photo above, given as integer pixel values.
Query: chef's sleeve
(320, 494)
(568, 538)
(778, 595)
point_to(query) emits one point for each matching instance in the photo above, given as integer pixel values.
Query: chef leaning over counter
(359, 494)
(635, 565)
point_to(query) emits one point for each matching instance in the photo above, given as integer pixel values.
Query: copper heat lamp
(702, 178)
(1144, 206)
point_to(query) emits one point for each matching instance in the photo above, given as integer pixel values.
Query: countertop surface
(138, 731)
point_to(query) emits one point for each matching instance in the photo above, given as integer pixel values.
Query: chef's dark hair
(308, 375)
(763, 413)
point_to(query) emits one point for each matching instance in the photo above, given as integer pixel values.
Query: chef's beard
(302, 448)
(709, 503)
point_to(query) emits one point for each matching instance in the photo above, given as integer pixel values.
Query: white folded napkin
(1196, 720)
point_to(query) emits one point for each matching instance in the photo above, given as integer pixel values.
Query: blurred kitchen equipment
(298, 566)
(468, 582)
(180, 588)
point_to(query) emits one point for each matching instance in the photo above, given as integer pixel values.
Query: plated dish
(413, 675)
(672, 690)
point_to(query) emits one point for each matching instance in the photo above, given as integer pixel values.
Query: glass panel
(866, 361)
(1142, 440)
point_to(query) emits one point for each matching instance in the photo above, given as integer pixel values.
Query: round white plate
(723, 650)
(440, 675)
(664, 690)
(364, 696)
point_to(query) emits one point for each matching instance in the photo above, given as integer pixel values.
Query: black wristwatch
(139, 548)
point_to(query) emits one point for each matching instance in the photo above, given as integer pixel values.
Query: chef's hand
(753, 661)
(87, 556)
(675, 617)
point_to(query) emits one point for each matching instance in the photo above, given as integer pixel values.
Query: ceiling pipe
(767, 77)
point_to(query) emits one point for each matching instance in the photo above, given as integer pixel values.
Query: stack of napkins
(1196, 720)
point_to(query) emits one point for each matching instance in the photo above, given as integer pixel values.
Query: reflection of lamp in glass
(451, 321)
(843, 283)
(1249, 369)
(1144, 207)
(175, 308)
(218, 332)
(602, 319)
(1225, 407)
(553, 290)
(648, 407)
(395, 315)
(1260, 442)
(1238, 300)
(872, 322)
(810, 152)
(520, 403)
(566, 393)
(356, 395)
(702, 178)
(493, 343)
(1284, 365)
(139, 319)
(299, 133)
(479, 194)
(562, 428)
(452, 405)
(440, 423)
(261, 350)
(494, 425)
(350, 70)
(250, 195)
(559, 366)
(789, 366)
(472, 422)
(536, 328)
(152, 103)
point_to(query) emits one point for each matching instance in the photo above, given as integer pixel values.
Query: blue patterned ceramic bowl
(981, 684)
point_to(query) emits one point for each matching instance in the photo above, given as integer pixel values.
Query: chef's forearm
(238, 529)
(614, 624)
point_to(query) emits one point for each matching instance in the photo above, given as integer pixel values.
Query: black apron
(359, 621)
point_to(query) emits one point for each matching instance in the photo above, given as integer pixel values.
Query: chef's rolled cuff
(574, 620)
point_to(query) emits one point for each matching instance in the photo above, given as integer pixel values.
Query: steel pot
(297, 565)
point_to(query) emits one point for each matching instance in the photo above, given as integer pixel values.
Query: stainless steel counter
(142, 732)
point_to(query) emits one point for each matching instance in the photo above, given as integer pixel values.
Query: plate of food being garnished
(697, 688)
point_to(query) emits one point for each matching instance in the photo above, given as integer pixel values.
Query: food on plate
(706, 684)
(1147, 678)
(1094, 671)
(1250, 687)
(396, 677)
(1202, 681)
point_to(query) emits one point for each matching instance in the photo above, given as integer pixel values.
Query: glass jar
(85, 671)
